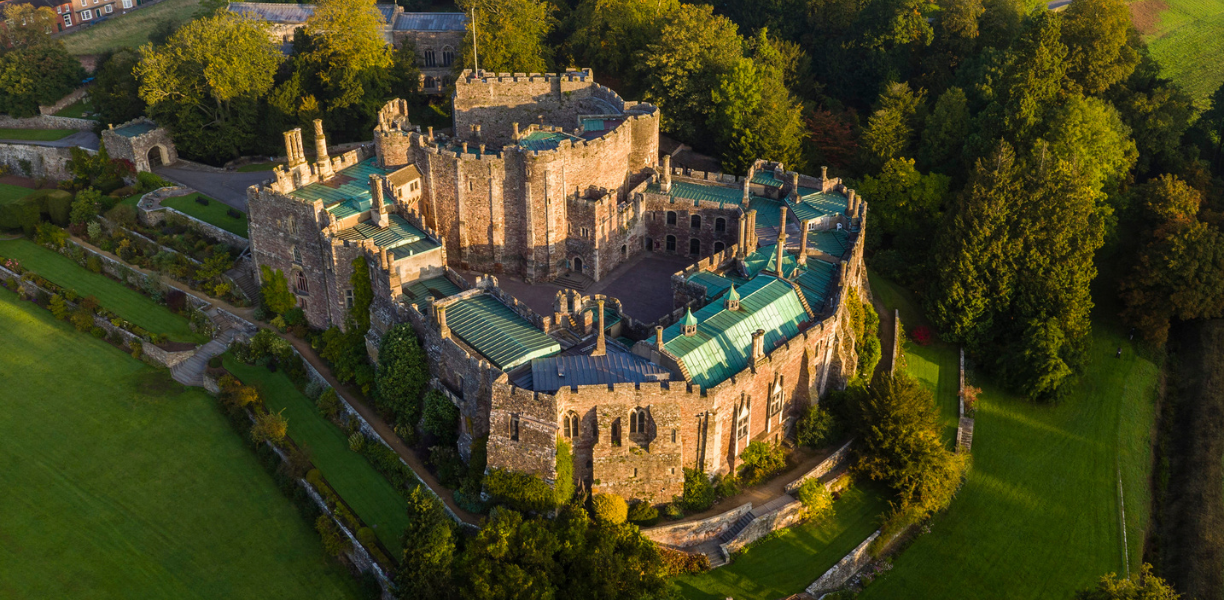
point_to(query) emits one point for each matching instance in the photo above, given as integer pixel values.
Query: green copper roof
(697, 192)
(437, 287)
(766, 178)
(544, 140)
(135, 129)
(814, 280)
(713, 283)
(763, 260)
(723, 344)
(768, 211)
(732, 294)
(814, 204)
(689, 319)
(834, 242)
(497, 332)
(400, 237)
(346, 194)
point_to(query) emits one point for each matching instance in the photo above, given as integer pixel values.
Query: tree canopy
(509, 35)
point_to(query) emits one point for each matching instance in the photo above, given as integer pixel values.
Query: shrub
(93, 263)
(294, 316)
(137, 348)
(520, 491)
(367, 537)
(564, 487)
(971, 400)
(401, 378)
(676, 562)
(147, 182)
(477, 461)
(760, 461)
(94, 231)
(698, 493)
(816, 499)
(313, 390)
(279, 323)
(201, 200)
(215, 362)
(329, 404)
(58, 306)
(450, 468)
(818, 428)
(673, 511)
(441, 419)
(242, 395)
(123, 214)
(726, 486)
(356, 441)
(97, 332)
(609, 508)
(275, 291)
(643, 514)
(82, 318)
(922, 335)
(57, 204)
(271, 427)
(49, 234)
(335, 542)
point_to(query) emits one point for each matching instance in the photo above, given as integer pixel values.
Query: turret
(688, 326)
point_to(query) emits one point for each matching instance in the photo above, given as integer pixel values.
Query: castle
(551, 176)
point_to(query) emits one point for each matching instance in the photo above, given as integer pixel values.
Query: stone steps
(739, 526)
(191, 371)
(574, 281)
(241, 274)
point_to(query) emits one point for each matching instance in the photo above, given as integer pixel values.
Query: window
(67, 20)
(635, 472)
(348, 299)
(127, 4)
(109, 8)
(637, 420)
(571, 425)
(775, 401)
(811, 225)
(695, 221)
(448, 56)
(297, 255)
(430, 58)
(719, 246)
(624, 250)
(674, 433)
(86, 15)
(299, 282)
(671, 243)
(720, 225)
(741, 429)
(514, 427)
(616, 432)
(695, 247)
(671, 217)
(430, 83)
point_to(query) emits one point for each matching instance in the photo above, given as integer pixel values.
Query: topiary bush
(609, 508)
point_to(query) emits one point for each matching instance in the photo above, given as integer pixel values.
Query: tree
(429, 549)
(1097, 36)
(609, 508)
(441, 419)
(402, 377)
(894, 125)
(344, 42)
(116, 93)
(958, 24)
(831, 138)
(1211, 122)
(684, 65)
(1141, 585)
(1033, 75)
(363, 295)
(275, 291)
(27, 25)
(905, 204)
(510, 35)
(270, 427)
(36, 75)
(1159, 114)
(943, 138)
(1090, 133)
(206, 82)
(85, 206)
(610, 33)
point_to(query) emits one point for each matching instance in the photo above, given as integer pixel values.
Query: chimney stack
(795, 185)
(850, 202)
(803, 242)
(431, 138)
(758, 346)
(665, 185)
(600, 348)
(322, 162)
(747, 182)
(781, 246)
(293, 147)
(440, 313)
(659, 338)
(378, 210)
(516, 132)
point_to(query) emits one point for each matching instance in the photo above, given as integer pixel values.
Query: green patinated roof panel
(814, 280)
(768, 211)
(544, 140)
(497, 332)
(346, 194)
(714, 284)
(766, 178)
(438, 287)
(134, 130)
(400, 237)
(834, 242)
(814, 204)
(723, 344)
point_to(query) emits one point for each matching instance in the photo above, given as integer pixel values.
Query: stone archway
(577, 264)
(157, 157)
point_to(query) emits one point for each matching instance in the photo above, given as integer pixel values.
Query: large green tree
(943, 137)
(1090, 133)
(610, 33)
(429, 548)
(1097, 34)
(116, 93)
(755, 115)
(344, 43)
(206, 82)
(905, 204)
(894, 126)
(34, 75)
(402, 377)
(509, 34)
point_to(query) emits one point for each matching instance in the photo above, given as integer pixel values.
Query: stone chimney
(659, 338)
(803, 237)
(850, 200)
(516, 132)
(322, 162)
(378, 208)
(758, 346)
(431, 133)
(600, 347)
(383, 260)
(440, 314)
(476, 135)
(665, 184)
(750, 236)
(781, 246)
(747, 183)
(293, 147)
(795, 185)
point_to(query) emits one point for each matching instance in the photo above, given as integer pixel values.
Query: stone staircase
(191, 371)
(574, 281)
(739, 526)
(243, 278)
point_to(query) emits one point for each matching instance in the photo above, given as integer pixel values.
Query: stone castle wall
(43, 161)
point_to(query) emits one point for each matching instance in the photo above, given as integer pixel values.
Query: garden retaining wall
(151, 216)
(833, 462)
(43, 161)
(65, 102)
(840, 573)
(47, 122)
(129, 275)
(692, 533)
(762, 525)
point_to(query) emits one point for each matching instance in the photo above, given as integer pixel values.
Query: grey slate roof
(431, 22)
(298, 13)
(616, 366)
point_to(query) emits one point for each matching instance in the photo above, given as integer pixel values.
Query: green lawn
(9, 193)
(121, 484)
(130, 30)
(132, 200)
(77, 109)
(127, 303)
(795, 557)
(370, 495)
(214, 213)
(1188, 41)
(35, 135)
(1039, 515)
(256, 167)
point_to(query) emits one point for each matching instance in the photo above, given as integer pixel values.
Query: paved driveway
(84, 139)
(228, 187)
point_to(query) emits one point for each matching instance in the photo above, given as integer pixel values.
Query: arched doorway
(155, 157)
(577, 264)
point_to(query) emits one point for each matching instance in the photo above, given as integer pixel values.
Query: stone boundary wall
(784, 516)
(840, 573)
(964, 427)
(692, 533)
(64, 102)
(896, 345)
(47, 122)
(123, 272)
(45, 161)
(833, 462)
(357, 554)
(152, 217)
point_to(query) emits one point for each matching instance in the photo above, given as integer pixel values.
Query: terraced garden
(214, 213)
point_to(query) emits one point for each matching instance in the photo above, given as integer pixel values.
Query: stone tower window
(348, 299)
(671, 243)
(695, 222)
(431, 59)
(448, 56)
(741, 429)
(297, 255)
(695, 247)
(720, 225)
(430, 83)
(637, 420)
(671, 217)
(616, 438)
(572, 426)
(299, 282)
(674, 432)
(719, 246)
(514, 427)
(775, 401)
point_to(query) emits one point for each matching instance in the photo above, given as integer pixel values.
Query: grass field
(1039, 515)
(128, 304)
(132, 200)
(130, 30)
(369, 493)
(9, 193)
(1187, 38)
(214, 213)
(35, 135)
(792, 559)
(119, 483)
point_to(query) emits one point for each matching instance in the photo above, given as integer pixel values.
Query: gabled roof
(497, 332)
(815, 279)
(700, 192)
(436, 287)
(814, 204)
(431, 22)
(723, 343)
(616, 366)
(403, 176)
(766, 178)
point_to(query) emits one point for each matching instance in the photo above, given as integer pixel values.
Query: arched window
(430, 83)
(448, 56)
(719, 247)
(695, 247)
(616, 432)
(671, 243)
(299, 282)
(671, 217)
(571, 425)
(695, 221)
(637, 420)
(624, 250)
(720, 225)
(431, 59)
